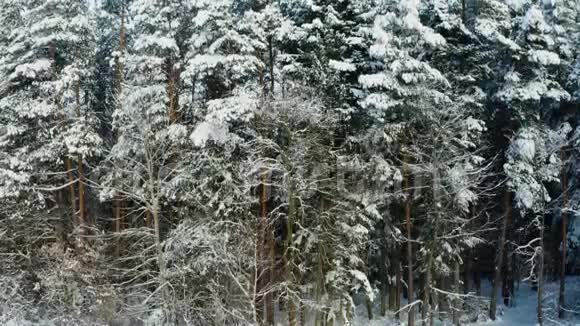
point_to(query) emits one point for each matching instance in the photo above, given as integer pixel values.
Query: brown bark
(82, 209)
(172, 74)
(119, 76)
(82, 219)
(562, 290)
(500, 255)
(71, 187)
(411, 314)
(119, 67)
(148, 219)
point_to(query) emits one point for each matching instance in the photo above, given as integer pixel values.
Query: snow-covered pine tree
(402, 92)
(50, 64)
(146, 162)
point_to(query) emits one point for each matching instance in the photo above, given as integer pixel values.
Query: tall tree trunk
(426, 306)
(160, 263)
(392, 284)
(562, 291)
(271, 64)
(288, 255)
(506, 271)
(260, 245)
(81, 181)
(302, 314)
(172, 75)
(271, 276)
(268, 252)
(411, 315)
(119, 77)
(456, 309)
(82, 209)
(499, 257)
(71, 187)
(384, 281)
(118, 218)
(540, 274)
(368, 302)
(398, 281)
(320, 318)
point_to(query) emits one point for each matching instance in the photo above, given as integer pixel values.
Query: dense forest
(265, 162)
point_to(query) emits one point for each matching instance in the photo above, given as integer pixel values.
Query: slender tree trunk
(319, 318)
(392, 285)
(81, 181)
(499, 256)
(303, 314)
(160, 261)
(148, 219)
(288, 255)
(272, 276)
(426, 308)
(393, 280)
(172, 74)
(384, 282)
(271, 64)
(71, 187)
(456, 309)
(119, 77)
(368, 302)
(119, 65)
(411, 315)
(540, 274)
(260, 245)
(562, 291)
(398, 281)
(82, 209)
(118, 218)
(435, 305)
(505, 290)
(268, 252)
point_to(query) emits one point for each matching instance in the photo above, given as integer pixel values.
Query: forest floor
(522, 313)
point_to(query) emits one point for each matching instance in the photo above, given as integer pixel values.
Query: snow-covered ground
(523, 313)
